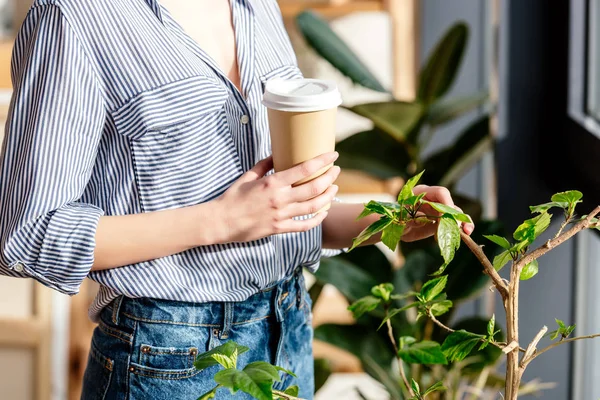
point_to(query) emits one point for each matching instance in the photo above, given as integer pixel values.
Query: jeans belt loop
(117, 309)
(227, 319)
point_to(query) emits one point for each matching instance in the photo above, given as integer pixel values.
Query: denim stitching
(125, 337)
(175, 353)
(127, 383)
(171, 375)
(106, 362)
(162, 321)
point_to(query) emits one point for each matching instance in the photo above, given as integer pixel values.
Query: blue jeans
(145, 348)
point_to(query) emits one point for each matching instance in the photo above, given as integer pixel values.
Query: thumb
(258, 171)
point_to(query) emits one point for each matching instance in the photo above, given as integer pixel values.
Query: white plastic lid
(301, 95)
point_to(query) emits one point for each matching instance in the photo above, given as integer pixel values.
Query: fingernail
(335, 188)
(334, 155)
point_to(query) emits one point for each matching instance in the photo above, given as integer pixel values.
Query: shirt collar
(155, 7)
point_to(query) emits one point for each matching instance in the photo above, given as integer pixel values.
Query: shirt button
(245, 119)
(19, 267)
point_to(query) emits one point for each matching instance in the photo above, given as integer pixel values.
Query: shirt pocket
(282, 72)
(182, 149)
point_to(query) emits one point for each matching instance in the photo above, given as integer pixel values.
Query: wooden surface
(405, 17)
(5, 54)
(289, 8)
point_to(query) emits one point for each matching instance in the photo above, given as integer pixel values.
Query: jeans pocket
(98, 374)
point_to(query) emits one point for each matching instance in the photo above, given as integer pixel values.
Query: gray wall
(530, 95)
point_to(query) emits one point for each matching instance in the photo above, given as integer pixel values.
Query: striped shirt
(117, 111)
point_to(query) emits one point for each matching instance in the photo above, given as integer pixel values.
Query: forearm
(130, 239)
(341, 226)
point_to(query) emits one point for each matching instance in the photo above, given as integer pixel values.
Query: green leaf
(407, 189)
(413, 200)
(459, 344)
(448, 237)
(285, 371)
(487, 356)
(529, 271)
(542, 208)
(441, 307)
(444, 209)
(388, 159)
(436, 387)
(415, 386)
(571, 196)
(560, 323)
(383, 291)
(425, 352)
(491, 325)
(206, 360)
(375, 207)
(364, 305)
(353, 280)
(393, 312)
(210, 394)
(403, 295)
(396, 118)
(319, 35)
(502, 259)
(499, 240)
(235, 380)
(448, 165)
(226, 362)
(445, 110)
(442, 65)
(392, 234)
(431, 289)
(529, 230)
(263, 372)
(406, 341)
(292, 391)
(371, 230)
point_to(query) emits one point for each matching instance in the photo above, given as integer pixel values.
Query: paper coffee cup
(302, 115)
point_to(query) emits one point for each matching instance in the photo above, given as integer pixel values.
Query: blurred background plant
(395, 147)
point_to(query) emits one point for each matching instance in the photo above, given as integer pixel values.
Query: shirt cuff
(66, 253)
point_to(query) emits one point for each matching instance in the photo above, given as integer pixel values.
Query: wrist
(209, 223)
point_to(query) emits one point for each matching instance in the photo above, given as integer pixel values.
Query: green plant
(431, 301)
(255, 379)
(396, 147)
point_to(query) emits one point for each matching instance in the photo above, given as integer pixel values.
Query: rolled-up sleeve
(55, 123)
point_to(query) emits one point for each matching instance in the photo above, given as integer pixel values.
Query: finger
(303, 225)
(467, 227)
(313, 205)
(315, 187)
(258, 171)
(438, 194)
(305, 169)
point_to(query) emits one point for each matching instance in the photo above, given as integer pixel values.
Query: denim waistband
(271, 301)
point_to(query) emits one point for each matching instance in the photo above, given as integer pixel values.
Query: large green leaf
(451, 163)
(327, 44)
(322, 372)
(459, 344)
(349, 279)
(374, 152)
(371, 230)
(446, 110)
(465, 273)
(228, 349)
(371, 261)
(442, 65)
(448, 236)
(425, 352)
(432, 288)
(488, 355)
(396, 118)
(235, 380)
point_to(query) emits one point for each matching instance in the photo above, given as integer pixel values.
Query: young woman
(137, 154)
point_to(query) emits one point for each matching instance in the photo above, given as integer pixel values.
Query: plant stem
(285, 396)
(396, 351)
(511, 305)
(555, 344)
(488, 268)
(550, 244)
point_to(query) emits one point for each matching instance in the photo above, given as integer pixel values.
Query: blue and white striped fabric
(117, 111)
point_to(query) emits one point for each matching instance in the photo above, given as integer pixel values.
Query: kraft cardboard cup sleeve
(302, 116)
